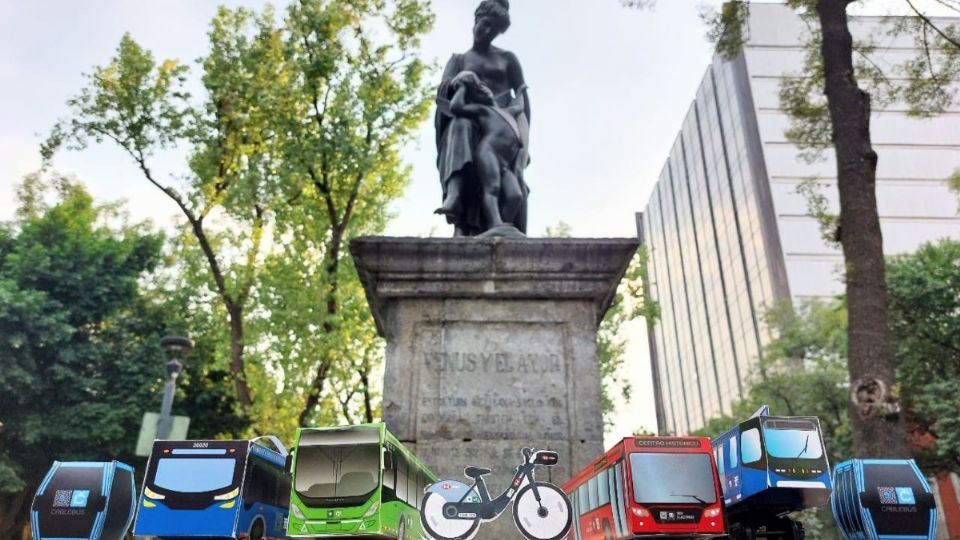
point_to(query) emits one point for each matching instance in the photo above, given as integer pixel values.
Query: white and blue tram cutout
(215, 489)
(883, 499)
(84, 501)
(769, 466)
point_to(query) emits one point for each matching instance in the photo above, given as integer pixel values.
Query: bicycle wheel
(438, 526)
(549, 519)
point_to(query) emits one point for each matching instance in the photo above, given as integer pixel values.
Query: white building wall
(916, 155)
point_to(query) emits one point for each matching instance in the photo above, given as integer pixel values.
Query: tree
(294, 149)
(827, 107)
(80, 364)
(629, 303)
(926, 326)
(804, 368)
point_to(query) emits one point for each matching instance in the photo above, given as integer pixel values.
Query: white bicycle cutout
(452, 510)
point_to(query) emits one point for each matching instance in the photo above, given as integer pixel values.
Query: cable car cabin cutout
(771, 465)
(84, 501)
(883, 499)
(215, 489)
(648, 486)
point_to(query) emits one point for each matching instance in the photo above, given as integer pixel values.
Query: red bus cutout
(648, 486)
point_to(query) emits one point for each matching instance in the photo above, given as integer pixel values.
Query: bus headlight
(297, 512)
(712, 513)
(640, 512)
(372, 510)
(227, 496)
(149, 493)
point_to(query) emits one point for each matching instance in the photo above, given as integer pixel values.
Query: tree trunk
(236, 356)
(878, 428)
(15, 512)
(316, 388)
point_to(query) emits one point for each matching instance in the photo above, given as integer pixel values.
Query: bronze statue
(482, 123)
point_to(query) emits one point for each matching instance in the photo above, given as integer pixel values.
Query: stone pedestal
(491, 346)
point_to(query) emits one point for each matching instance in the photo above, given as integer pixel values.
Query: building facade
(729, 235)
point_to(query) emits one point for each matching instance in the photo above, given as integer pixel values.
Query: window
(592, 493)
(401, 488)
(584, 499)
(603, 489)
(733, 451)
(750, 445)
(718, 455)
(194, 475)
(690, 478)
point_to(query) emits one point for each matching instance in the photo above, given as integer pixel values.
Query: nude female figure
(458, 136)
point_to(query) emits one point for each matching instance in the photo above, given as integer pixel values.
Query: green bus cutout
(355, 481)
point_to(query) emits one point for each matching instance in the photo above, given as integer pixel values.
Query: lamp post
(174, 347)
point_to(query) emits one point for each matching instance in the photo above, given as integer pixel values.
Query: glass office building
(729, 235)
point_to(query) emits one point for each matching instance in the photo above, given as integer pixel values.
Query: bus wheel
(402, 529)
(256, 532)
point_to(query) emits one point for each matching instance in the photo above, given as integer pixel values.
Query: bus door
(192, 488)
(727, 455)
(750, 475)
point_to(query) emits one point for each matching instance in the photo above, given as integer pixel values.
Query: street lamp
(174, 347)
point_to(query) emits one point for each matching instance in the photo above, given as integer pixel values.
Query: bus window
(390, 479)
(603, 489)
(401, 477)
(584, 499)
(330, 471)
(412, 483)
(592, 493)
(733, 452)
(689, 478)
(194, 475)
(750, 445)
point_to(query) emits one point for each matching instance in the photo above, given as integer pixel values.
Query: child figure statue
(496, 152)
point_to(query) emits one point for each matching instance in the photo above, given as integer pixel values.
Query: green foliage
(819, 209)
(923, 296)
(804, 371)
(79, 365)
(294, 149)
(726, 27)
(628, 304)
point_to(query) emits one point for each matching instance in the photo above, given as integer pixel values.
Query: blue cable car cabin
(769, 466)
(84, 501)
(215, 489)
(883, 499)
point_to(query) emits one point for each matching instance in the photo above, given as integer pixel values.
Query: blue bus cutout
(84, 501)
(214, 489)
(883, 499)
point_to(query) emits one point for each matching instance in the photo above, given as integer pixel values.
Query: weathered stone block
(491, 346)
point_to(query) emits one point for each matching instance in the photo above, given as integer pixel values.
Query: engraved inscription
(491, 381)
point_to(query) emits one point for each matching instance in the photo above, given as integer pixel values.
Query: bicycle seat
(475, 472)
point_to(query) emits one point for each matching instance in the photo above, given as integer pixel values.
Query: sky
(609, 87)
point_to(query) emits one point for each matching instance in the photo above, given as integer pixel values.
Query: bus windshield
(337, 471)
(194, 475)
(672, 478)
(793, 439)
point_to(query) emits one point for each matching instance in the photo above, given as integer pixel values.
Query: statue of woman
(465, 195)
